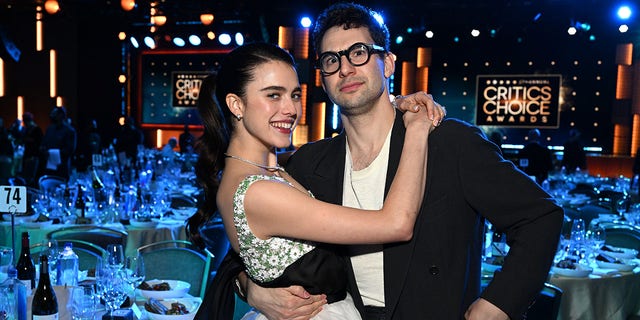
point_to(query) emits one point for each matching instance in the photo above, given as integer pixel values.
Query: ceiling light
(206, 18)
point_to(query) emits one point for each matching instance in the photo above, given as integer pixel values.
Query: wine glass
(115, 256)
(6, 259)
(112, 288)
(134, 271)
(82, 303)
(597, 237)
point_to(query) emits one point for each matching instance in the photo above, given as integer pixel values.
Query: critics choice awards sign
(518, 100)
(186, 87)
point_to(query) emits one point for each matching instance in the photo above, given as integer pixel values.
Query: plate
(191, 304)
(629, 266)
(580, 271)
(178, 290)
(622, 253)
(143, 224)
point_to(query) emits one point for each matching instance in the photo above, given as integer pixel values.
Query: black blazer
(436, 275)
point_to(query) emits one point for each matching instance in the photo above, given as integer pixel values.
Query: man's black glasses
(358, 54)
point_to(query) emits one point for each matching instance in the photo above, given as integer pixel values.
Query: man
(436, 275)
(535, 159)
(58, 144)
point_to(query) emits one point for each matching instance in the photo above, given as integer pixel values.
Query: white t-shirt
(364, 189)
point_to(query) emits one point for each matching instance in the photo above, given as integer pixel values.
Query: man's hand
(482, 309)
(412, 103)
(285, 303)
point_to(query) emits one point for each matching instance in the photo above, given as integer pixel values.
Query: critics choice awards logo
(186, 87)
(518, 100)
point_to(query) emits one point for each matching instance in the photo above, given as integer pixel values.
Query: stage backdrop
(169, 85)
(521, 101)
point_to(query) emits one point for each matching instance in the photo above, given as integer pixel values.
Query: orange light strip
(39, 32)
(53, 85)
(1, 77)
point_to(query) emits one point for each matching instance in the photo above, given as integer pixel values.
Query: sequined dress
(282, 262)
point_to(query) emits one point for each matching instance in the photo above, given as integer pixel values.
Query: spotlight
(537, 16)
(493, 32)
(624, 12)
(150, 42)
(179, 42)
(475, 32)
(195, 40)
(623, 28)
(305, 22)
(429, 34)
(224, 38)
(211, 35)
(399, 39)
(134, 42)
(239, 38)
(127, 5)
(52, 6)
(206, 18)
(572, 30)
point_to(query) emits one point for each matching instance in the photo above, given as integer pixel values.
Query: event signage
(186, 87)
(518, 101)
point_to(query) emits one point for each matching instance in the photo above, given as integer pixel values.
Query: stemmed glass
(112, 288)
(596, 237)
(6, 259)
(115, 256)
(82, 303)
(134, 271)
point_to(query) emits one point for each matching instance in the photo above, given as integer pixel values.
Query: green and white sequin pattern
(265, 260)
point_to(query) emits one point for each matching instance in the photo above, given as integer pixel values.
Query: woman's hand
(412, 102)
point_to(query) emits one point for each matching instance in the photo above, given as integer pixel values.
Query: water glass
(82, 303)
(50, 249)
(6, 259)
(578, 231)
(115, 256)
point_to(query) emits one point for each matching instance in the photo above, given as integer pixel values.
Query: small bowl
(191, 304)
(178, 289)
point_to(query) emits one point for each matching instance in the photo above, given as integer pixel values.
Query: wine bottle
(45, 303)
(25, 266)
(80, 205)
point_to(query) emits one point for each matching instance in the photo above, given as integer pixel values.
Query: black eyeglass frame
(371, 49)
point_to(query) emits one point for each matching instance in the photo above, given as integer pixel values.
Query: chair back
(178, 260)
(547, 304)
(179, 200)
(49, 183)
(88, 253)
(621, 235)
(98, 235)
(215, 239)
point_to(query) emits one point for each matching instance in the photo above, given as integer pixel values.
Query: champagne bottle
(45, 303)
(25, 266)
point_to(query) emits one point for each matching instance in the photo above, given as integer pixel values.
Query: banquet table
(167, 229)
(613, 297)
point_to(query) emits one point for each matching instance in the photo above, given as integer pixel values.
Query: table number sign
(13, 199)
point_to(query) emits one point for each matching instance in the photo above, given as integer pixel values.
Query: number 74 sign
(13, 199)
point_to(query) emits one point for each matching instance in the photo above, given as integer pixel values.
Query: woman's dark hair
(236, 71)
(350, 15)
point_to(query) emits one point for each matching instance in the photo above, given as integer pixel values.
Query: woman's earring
(238, 116)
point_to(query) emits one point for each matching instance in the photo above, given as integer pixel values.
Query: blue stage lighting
(149, 42)
(624, 12)
(179, 42)
(134, 42)
(239, 38)
(305, 22)
(224, 38)
(195, 40)
(399, 39)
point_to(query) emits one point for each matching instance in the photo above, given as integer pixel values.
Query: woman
(265, 212)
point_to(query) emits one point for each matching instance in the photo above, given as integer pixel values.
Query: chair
(88, 253)
(98, 235)
(622, 235)
(178, 260)
(215, 239)
(49, 183)
(547, 304)
(179, 200)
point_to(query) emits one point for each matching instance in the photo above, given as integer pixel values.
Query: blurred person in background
(186, 140)
(58, 145)
(128, 138)
(89, 143)
(32, 140)
(574, 158)
(536, 159)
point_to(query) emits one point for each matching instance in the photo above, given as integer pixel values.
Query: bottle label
(47, 317)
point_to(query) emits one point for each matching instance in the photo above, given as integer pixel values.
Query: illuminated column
(408, 78)
(53, 85)
(318, 121)
(622, 105)
(423, 63)
(1, 77)
(39, 35)
(285, 38)
(635, 109)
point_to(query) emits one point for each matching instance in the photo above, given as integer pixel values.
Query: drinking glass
(82, 303)
(578, 231)
(112, 288)
(115, 256)
(134, 271)
(596, 237)
(50, 249)
(6, 259)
